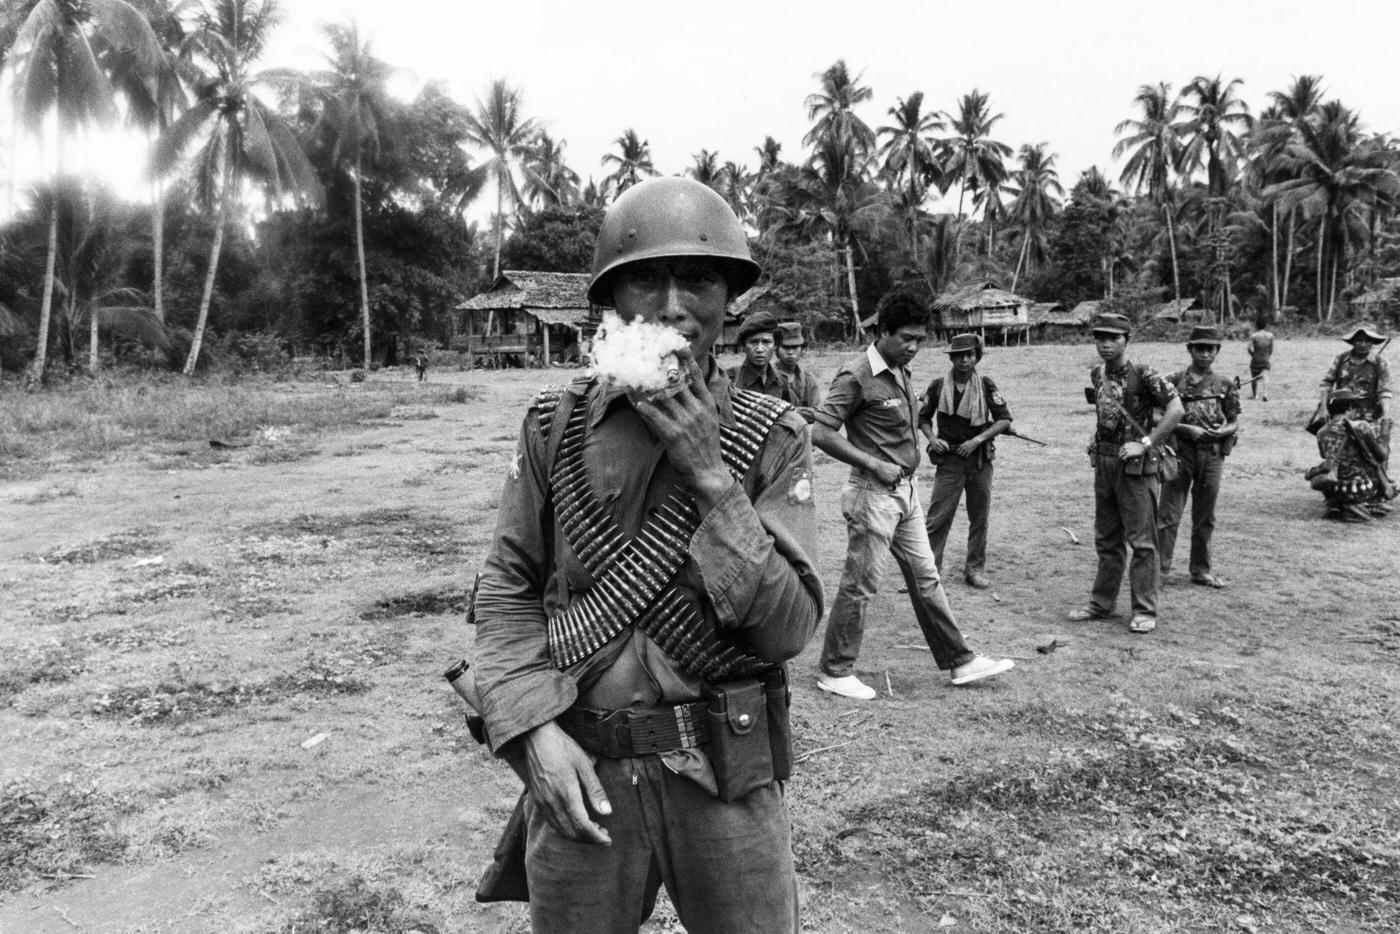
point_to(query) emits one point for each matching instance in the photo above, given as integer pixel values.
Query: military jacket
(1210, 401)
(1138, 388)
(1369, 376)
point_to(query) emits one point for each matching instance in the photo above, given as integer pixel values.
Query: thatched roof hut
(982, 307)
(528, 313)
(1181, 309)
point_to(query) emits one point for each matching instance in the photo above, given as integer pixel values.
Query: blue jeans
(880, 521)
(952, 479)
(727, 866)
(1199, 476)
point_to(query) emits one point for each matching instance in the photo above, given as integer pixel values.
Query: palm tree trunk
(1321, 243)
(157, 242)
(41, 350)
(496, 268)
(1171, 239)
(1273, 264)
(360, 256)
(1288, 257)
(855, 299)
(225, 196)
(1332, 289)
(1020, 259)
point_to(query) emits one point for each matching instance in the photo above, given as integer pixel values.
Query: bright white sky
(723, 74)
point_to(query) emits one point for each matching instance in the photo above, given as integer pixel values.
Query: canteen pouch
(778, 697)
(739, 747)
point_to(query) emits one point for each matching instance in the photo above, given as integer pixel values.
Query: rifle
(1388, 490)
(504, 879)
(1013, 433)
(1240, 384)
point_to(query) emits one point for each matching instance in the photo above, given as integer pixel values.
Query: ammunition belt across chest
(634, 580)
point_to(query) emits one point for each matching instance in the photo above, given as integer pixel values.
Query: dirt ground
(221, 704)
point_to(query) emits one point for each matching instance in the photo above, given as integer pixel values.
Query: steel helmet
(670, 217)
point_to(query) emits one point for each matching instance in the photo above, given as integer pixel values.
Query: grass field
(221, 706)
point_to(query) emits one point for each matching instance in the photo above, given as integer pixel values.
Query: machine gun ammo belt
(633, 580)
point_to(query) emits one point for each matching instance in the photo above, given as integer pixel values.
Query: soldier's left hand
(967, 448)
(1132, 449)
(688, 425)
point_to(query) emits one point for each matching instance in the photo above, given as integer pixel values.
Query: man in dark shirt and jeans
(872, 397)
(961, 415)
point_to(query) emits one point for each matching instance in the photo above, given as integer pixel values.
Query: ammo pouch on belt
(739, 738)
(1160, 462)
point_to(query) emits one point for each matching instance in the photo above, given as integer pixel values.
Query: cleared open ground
(179, 623)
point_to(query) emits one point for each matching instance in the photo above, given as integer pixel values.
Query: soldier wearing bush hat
(1363, 369)
(1126, 454)
(1204, 438)
(758, 339)
(806, 391)
(961, 415)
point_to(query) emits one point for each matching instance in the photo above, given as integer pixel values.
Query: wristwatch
(1147, 441)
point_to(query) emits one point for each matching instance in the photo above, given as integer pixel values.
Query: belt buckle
(615, 735)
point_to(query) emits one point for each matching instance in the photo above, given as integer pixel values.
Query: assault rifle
(1240, 384)
(1013, 433)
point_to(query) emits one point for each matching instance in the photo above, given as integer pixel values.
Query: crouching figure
(1354, 449)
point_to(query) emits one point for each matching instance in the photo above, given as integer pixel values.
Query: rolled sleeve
(842, 398)
(520, 687)
(758, 558)
(1382, 379)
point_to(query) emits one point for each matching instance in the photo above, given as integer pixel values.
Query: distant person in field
(1351, 477)
(420, 363)
(874, 400)
(1261, 355)
(963, 412)
(1204, 438)
(1125, 454)
(758, 339)
(806, 391)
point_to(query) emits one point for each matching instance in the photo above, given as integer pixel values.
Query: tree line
(315, 210)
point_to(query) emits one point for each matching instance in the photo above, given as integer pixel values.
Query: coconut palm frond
(11, 324)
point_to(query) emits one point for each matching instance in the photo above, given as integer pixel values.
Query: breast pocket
(889, 413)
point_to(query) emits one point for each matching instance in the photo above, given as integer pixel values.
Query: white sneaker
(981, 667)
(847, 686)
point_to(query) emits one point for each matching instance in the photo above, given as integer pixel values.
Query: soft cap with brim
(760, 323)
(1204, 334)
(790, 334)
(1110, 324)
(1366, 331)
(670, 217)
(965, 343)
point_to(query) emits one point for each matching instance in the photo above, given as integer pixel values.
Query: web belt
(622, 734)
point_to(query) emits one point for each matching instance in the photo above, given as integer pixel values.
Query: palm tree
(973, 157)
(1155, 147)
(832, 107)
(1037, 184)
(153, 101)
(911, 156)
(243, 138)
(353, 98)
(770, 156)
(499, 126)
(1290, 107)
(829, 196)
(631, 162)
(548, 179)
(56, 49)
(1338, 176)
(706, 169)
(1214, 128)
(736, 186)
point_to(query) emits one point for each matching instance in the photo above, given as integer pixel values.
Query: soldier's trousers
(953, 478)
(1200, 477)
(1125, 517)
(881, 521)
(727, 867)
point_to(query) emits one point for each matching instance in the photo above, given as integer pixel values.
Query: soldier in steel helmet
(1127, 455)
(641, 742)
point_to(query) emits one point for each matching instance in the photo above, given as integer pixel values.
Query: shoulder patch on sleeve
(799, 485)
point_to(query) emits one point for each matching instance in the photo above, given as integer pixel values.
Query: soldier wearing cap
(1204, 438)
(758, 339)
(1126, 455)
(872, 398)
(962, 412)
(1363, 370)
(628, 786)
(806, 391)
